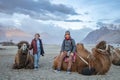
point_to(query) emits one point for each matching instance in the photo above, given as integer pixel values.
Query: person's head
(67, 35)
(37, 35)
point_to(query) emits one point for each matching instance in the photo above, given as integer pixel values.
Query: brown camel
(80, 62)
(116, 57)
(101, 62)
(97, 62)
(23, 59)
(114, 52)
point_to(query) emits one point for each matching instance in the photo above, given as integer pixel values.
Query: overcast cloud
(56, 16)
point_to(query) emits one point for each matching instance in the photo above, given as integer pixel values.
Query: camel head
(23, 46)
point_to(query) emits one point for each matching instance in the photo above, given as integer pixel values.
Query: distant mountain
(107, 32)
(114, 26)
(8, 33)
(16, 35)
(49, 35)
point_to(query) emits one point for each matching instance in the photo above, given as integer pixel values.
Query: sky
(57, 16)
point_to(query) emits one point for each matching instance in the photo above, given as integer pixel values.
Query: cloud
(100, 2)
(42, 9)
(86, 13)
(104, 19)
(76, 20)
(53, 32)
(90, 21)
(64, 11)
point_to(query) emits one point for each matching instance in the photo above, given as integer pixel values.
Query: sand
(45, 72)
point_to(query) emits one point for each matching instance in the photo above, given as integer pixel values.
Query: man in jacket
(68, 48)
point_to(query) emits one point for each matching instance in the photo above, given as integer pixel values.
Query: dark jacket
(68, 45)
(34, 46)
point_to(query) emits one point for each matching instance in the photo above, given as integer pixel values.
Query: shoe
(68, 72)
(36, 68)
(38, 65)
(57, 71)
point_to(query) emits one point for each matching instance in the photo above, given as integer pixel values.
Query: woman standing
(38, 50)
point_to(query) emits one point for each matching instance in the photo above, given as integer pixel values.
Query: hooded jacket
(34, 46)
(68, 45)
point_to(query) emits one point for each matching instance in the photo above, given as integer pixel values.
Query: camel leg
(17, 62)
(29, 62)
(55, 63)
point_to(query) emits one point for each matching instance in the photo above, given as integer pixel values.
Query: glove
(42, 54)
(72, 54)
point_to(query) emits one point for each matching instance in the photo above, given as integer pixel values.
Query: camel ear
(19, 45)
(28, 45)
(108, 49)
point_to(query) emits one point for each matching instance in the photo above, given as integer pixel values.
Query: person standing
(38, 50)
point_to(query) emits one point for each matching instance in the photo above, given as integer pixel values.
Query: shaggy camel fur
(23, 59)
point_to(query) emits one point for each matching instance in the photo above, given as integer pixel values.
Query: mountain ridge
(107, 33)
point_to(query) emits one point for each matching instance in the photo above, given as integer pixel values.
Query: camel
(97, 62)
(78, 64)
(114, 52)
(23, 59)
